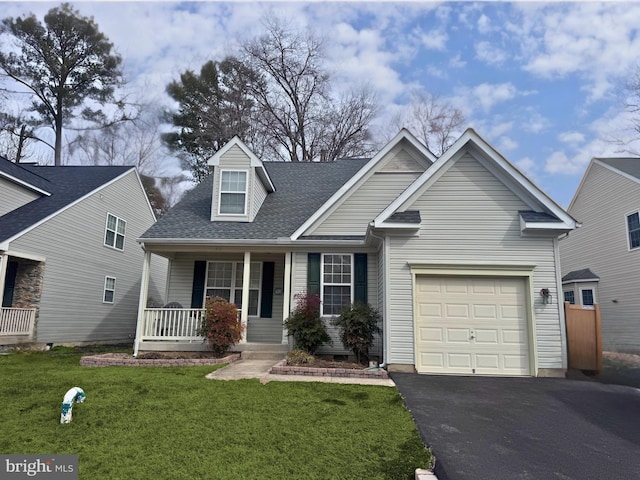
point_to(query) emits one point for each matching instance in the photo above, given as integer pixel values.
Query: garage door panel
(472, 325)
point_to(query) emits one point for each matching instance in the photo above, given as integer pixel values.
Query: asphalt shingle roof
(630, 166)
(584, 274)
(538, 217)
(301, 189)
(65, 184)
(408, 216)
(22, 173)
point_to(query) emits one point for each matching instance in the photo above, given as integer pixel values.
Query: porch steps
(262, 351)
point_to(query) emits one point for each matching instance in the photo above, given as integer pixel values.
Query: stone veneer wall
(28, 288)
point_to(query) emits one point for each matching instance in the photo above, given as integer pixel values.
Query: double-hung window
(587, 296)
(224, 279)
(109, 289)
(233, 192)
(114, 232)
(633, 229)
(569, 296)
(337, 281)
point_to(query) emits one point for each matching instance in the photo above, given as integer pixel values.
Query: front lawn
(172, 423)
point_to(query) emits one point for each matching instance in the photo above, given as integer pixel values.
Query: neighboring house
(580, 287)
(69, 262)
(453, 252)
(607, 204)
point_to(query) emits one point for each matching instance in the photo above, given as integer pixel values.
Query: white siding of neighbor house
(469, 216)
(265, 330)
(601, 244)
(71, 306)
(299, 285)
(391, 177)
(236, 159)
(14, 196)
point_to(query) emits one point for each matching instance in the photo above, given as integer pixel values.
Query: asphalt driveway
(525, 428)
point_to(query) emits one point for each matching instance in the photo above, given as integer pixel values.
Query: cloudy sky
(542, 82)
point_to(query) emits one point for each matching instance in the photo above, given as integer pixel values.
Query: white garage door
(471, 326)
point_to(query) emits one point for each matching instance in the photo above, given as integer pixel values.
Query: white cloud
(500, 129)
(506, 144)
(571, 137)
(487, 95)
(433, 39)
(457, 62)
(489, 53)
(527, 166)
(484, 24)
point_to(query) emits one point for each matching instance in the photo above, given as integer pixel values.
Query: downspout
(384, 318)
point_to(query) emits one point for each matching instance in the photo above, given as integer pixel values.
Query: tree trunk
(21, 140)
(58, 123)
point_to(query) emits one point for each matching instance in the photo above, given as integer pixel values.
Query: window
(633, 227)
(224, 279)
(233, 193)
(109, 289)
(336, 282)
(569, 297)
(114, 232)
(587, 296)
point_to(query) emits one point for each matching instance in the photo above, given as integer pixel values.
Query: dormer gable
(18, 186)
(240, 183)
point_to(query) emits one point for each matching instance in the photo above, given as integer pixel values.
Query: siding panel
(468, 215)
(601, 244)
(13, 196)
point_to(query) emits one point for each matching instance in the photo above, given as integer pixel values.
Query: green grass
(172, 423)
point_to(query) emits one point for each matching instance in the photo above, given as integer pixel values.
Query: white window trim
(593, 292)
(234, 272)
(322, 284)
(246, 193)
(105, 289)
(574, 295)
(106, 229)
(626, 229)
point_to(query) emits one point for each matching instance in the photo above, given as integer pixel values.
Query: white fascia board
(255, 161)
(24, 184)
(586, 280)
(404, 134)
(247, 242)
(66, 207)
(398, 226)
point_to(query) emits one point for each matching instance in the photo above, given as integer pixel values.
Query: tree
(295, 107)
(213, 106)
(66, 64)
(434, 121)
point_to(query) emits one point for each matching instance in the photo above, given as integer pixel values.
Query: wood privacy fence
(584, 337)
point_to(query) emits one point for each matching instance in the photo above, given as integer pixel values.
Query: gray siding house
(69, 262)
(607, 248)
(453, 251)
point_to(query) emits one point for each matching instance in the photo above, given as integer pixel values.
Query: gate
(584, 337)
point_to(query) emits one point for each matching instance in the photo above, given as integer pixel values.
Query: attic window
(233, 193)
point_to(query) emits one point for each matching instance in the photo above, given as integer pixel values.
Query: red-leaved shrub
(220, 327)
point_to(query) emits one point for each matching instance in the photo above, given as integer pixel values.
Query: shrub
(305, 325)
(220, 325)
(358, 323)
(299, 357)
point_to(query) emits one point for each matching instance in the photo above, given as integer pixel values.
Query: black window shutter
(360, 278)
(313, 274)
(10, 284)
(197, 292)
(266, 304)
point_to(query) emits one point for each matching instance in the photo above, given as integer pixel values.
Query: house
(453, 251)
(69, 262)
(607, 248)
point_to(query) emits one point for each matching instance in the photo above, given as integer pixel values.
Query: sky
(543, 83)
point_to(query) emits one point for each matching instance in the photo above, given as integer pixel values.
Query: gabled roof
(403, 135)
(65, 185)
(255, 161)
(584, 275)
(560, 220)
(301, 189)
(19, 174)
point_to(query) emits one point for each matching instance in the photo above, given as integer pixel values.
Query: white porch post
(246, 277)
(3, 273)
(286, 296)
(144, 287)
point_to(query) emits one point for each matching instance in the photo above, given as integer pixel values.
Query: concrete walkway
(260, 369)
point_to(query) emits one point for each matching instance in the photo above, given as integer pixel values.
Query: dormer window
(233, 192)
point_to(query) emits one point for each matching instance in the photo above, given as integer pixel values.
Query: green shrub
(358, 323)
(305, 325)
(299, 357)
(220, 326)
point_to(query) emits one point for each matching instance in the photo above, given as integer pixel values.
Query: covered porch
(260, 275)
(20, 290)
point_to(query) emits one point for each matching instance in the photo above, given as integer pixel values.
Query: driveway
(525, 428)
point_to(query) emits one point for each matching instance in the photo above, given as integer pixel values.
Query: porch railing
(17, 321)
(172, 324)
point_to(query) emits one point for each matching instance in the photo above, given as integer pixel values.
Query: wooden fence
(584, 337)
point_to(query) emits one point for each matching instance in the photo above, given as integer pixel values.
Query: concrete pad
(260, 369)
